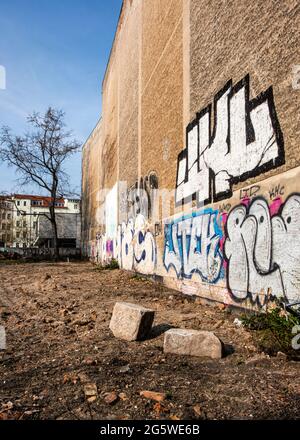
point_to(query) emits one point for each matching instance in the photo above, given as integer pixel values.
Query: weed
(112, 265)
(273, 330)
(138, 277)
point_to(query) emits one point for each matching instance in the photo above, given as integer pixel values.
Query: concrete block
(193, 343)
(131, 322)
(2, 338)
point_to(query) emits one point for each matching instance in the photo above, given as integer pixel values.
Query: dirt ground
(58, 341)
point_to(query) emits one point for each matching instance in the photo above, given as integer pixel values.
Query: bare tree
(39, 155)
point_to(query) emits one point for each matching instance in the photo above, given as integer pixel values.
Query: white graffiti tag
(246, 140)
(263, 253)
(134, 246)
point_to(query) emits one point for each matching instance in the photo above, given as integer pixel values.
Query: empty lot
(58, 339)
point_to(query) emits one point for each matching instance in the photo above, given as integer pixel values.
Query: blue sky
(54, 53)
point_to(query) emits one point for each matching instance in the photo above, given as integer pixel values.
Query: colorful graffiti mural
(255, 248)
(192, 245)
(245, 249)
(133, 246)
(262, 249)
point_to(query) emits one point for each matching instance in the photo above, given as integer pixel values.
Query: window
(18, 224)
(24, 224)
(3, 216)
(3, 226)
(18, 213)
(75, 206)
(8, 227)
(24, 204)
(8, 216)
(18, 234)
(37, 202)
(24, 234)
(24, 245)
(18, 203)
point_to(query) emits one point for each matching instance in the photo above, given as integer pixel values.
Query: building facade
(23, 218)
(192, 173)
(6, 221)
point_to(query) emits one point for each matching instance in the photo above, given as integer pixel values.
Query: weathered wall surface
(68, 227)
(92, 181)
(193, 173)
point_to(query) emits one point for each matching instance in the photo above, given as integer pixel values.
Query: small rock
(221, 306)
(152, 395)
(193, 343)
(281, 355)
(90, 361)
(197, 410)
(125, 369)
(90, 390)
(94, 316)
(111, 398)
(131, 322)
(218, 324)
(123, 396)
(158, 408)
(92, 399)
(7, 406)
(238, 322)
(174, 417)
(70, 377)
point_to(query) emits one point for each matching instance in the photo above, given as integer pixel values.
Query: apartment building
(22, 215)
(6, 221)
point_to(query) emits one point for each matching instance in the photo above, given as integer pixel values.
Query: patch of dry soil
(59, 345)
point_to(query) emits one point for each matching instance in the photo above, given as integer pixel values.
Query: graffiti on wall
(133, 246)
(192, 245)
(246, 140)
(141, 197)
(136, 248)
(262, 250)
(248, 245)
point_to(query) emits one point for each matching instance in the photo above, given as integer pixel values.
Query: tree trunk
(54, 225)
(55, 240)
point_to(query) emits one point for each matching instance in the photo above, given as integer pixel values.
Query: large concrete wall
(193, 173)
